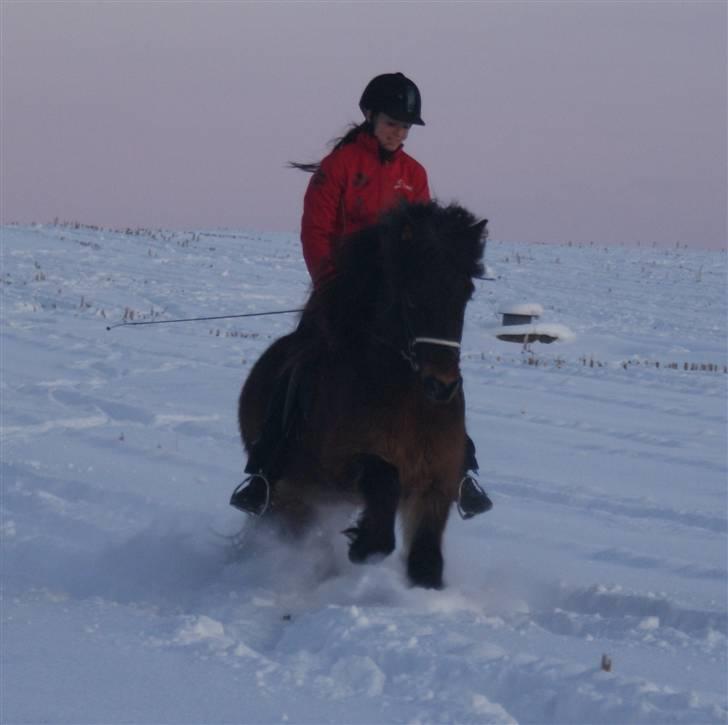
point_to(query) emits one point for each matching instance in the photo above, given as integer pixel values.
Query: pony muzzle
(439, 391)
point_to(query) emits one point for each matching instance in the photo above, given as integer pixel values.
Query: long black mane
(422, 244)
(374, 387)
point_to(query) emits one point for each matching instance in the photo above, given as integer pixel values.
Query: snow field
(129, 594)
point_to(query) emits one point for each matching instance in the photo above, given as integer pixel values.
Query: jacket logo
(360, 180)
(402, 184)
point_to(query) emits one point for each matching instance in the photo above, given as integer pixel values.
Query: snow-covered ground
(125, 599)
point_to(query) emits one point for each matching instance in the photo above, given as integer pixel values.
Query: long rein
(414, 340)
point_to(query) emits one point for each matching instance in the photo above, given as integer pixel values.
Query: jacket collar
(370, 144)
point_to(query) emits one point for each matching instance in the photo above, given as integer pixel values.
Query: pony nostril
(440, 392)
(433, 387)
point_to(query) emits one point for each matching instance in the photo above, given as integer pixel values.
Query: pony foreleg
(374, 532)
(425, 523)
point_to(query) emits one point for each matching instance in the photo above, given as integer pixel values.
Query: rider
(366, 173)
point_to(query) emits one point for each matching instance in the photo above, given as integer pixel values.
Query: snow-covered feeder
(519, 325)
(522, 314)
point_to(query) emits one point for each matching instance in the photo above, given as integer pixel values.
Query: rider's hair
(349, 137)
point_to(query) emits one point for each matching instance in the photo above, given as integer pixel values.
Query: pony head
(406, 282)
(431, 255)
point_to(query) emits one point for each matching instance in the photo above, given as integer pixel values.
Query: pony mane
(375, 266)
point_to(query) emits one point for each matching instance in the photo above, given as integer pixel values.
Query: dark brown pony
(377, 405)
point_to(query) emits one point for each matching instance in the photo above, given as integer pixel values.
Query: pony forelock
(373, 265)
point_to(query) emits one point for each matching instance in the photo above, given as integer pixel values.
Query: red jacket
(350, 190)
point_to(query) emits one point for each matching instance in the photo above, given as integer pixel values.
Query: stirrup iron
(478, 500)
(246, 499)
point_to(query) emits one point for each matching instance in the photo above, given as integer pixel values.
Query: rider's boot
(472, 499)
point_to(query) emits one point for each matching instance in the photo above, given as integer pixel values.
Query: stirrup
(472, 500)
(248, 496)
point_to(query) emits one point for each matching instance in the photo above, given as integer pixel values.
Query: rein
(199, 319)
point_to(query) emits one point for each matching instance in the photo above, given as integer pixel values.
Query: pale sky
(558, 121)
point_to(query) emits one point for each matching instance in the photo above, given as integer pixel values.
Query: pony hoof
(362, 547)
(424, 569)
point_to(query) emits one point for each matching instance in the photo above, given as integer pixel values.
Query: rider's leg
(267, 455)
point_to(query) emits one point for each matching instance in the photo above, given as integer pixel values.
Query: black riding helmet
(393, 94)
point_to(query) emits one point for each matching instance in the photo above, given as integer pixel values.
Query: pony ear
(480, 228)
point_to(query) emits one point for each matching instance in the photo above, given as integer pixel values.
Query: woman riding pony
(367, 173)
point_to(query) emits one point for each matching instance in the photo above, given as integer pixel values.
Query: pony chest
(421, 428)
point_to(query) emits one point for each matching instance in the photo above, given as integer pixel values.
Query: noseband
(410, 354)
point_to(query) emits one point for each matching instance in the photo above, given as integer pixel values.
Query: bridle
(410, 354)
(410, 351)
